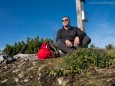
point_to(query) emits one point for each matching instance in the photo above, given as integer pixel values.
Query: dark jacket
(70, 34)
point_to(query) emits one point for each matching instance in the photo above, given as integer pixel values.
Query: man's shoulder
(74, 27)
(61, 29)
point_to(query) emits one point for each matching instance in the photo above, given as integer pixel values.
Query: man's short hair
(66, 17)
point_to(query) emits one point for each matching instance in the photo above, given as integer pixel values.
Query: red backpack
(45, 51)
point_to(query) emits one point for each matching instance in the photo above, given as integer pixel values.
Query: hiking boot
(75, 46)
(61, 53)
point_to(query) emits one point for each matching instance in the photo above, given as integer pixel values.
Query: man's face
(65, 21)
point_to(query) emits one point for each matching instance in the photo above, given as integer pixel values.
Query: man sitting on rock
(70, 37)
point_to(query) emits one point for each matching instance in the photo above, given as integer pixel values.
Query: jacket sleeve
(58, 35)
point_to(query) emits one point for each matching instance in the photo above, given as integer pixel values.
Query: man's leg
(86, 40)
(62, 46)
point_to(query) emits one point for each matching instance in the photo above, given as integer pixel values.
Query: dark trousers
(62, 46)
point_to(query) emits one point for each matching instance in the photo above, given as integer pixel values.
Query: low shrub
(81, 59)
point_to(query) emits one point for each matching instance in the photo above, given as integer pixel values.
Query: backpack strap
(53, 47)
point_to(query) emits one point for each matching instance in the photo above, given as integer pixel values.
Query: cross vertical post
(81, 15)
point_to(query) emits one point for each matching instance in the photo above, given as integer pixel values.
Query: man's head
(66, 21)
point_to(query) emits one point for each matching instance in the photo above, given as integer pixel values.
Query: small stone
(16, 79)
(1, 58)
(5, 67)
(38, 78)
(26, 80)
(31, 68)
(63, 81)
(34, 63)
(21, 81)
(18, 85)
(60, 80)
(21, 75)
(39, 75)
(40, 68)
(14, 71)
(5, 80)
(31, 76)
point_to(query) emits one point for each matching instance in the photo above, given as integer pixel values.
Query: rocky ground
(39, 73)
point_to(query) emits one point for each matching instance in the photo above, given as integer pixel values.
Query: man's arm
(65, 40)
(58, 35)
(81, 34)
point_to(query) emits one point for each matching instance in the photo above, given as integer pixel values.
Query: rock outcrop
(38, 73)
(4, 59)
(29, 57)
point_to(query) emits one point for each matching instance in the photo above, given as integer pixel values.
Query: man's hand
(76, 41)
(68, 43)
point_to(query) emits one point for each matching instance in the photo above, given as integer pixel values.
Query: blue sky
(20, 19)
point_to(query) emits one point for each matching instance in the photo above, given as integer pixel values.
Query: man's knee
(86, 41)
(59, 43)
(62, 46)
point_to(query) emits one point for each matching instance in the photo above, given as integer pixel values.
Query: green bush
(81, 59)
(31, 46)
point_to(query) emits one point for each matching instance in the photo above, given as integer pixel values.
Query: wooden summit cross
(81, 14)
